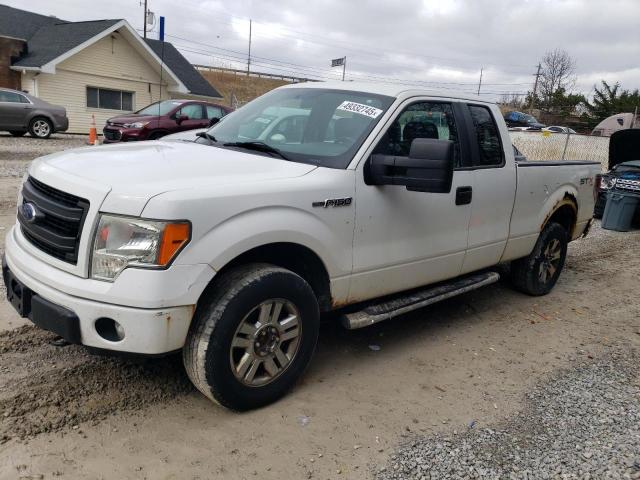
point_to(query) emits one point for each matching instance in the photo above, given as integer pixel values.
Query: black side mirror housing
(428, 168)
(181, 118)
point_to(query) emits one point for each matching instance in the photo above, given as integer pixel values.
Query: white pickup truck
(372, 200)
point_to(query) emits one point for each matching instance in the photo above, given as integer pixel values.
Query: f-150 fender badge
(334, 202)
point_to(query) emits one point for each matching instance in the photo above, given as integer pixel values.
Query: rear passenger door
(494, 187)
(214, 112)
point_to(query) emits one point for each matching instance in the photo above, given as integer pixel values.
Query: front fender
(331, 241)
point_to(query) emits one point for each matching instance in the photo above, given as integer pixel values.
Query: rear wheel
(17, 133)
(40, 127)
(538, 273)
(252, 337)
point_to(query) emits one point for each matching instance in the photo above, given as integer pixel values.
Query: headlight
(607, 182)
(136, 125)
(122, 242)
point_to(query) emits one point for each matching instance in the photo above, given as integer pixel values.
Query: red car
(162, 118)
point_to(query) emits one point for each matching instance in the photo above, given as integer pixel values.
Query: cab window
(420, 120)
(214, 112)
(9, 97)
(487, 137)
(193, 111)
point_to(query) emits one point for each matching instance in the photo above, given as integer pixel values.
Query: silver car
(21, 113)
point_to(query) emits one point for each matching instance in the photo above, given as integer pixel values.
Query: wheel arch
(565, 213)
(298, 258)
(40, 114)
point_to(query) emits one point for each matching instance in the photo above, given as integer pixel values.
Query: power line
(321, 75)
(349, 45)
(356, 74)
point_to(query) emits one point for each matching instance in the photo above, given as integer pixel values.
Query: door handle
(464, 195)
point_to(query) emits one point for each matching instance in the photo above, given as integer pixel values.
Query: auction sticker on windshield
(365, 110)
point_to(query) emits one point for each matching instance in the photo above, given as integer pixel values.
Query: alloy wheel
(266, 342)
(550, 260)
(41, 128)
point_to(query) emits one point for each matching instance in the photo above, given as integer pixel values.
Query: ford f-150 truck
(368, 200)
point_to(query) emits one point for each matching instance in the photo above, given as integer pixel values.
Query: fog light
(109, 329)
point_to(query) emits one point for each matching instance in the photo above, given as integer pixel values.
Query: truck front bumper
(79, 319)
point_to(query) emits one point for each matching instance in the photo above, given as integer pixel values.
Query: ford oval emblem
(29, 212)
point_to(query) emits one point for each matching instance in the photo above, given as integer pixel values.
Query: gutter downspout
(35, 84)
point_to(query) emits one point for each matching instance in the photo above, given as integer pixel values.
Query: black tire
(156, 135)
(531, 274)
(40, 127)
(227, 306)
(17, 133)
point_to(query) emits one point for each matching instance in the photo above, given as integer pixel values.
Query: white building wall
(109, 63)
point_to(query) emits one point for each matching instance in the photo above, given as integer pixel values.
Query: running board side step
(398, 305)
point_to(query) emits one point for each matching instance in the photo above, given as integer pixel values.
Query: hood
(624, 146)
(135, 172)
(186, 136)
(131, 118)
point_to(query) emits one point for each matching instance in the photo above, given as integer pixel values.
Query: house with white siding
(101, 68)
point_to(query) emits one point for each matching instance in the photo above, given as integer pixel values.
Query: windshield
(530, 119)
(310, 125)
(159, 108)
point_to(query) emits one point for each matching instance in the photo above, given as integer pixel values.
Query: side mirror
(428, 168)
(181, 118)
(213, 121)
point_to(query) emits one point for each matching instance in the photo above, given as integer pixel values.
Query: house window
(109, 99)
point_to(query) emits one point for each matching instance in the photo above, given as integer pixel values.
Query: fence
(559, 146)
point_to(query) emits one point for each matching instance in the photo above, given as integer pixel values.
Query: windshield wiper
(206, 135)
(258, 146)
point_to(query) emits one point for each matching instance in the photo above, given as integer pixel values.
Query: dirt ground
(65, 413)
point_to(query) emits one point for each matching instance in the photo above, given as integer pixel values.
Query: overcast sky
(434, 41)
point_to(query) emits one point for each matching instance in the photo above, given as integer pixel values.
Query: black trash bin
(620, 210)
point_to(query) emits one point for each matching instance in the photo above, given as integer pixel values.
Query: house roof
(52, 41)
(195, 82)
(21, 24)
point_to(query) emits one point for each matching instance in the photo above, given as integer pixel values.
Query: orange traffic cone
(93, 133)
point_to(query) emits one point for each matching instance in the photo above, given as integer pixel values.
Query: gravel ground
(16, 153)
(583, 423)
(67, 386)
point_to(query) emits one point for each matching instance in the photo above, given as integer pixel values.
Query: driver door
(196, 117)
(405, 239)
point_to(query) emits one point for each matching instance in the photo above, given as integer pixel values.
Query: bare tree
(558, 73)
(511, 100)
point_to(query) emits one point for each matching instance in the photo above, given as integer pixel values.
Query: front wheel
(252, 336)
(538, 273)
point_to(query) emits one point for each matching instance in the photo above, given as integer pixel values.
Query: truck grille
(624, 184)
(52, 220)
(112, 134)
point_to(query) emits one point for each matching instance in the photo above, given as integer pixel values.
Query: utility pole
(344, 67)
(249, 56)
(535, 87)
(480, 82)
(145, 19)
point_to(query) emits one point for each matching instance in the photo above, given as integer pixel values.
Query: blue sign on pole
(162, 29)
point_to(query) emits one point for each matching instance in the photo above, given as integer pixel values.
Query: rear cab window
(487, 138)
